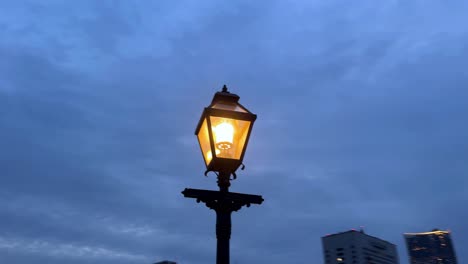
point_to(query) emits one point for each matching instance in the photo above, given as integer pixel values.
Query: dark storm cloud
(361, 111)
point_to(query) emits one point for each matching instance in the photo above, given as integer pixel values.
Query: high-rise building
(356, 247)
(430, 247)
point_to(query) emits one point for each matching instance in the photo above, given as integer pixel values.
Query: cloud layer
(361, 122)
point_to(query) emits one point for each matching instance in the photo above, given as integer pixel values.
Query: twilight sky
(362, 121)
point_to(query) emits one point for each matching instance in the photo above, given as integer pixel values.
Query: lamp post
(223, 133)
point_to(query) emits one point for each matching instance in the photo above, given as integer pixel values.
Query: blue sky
(361, 105)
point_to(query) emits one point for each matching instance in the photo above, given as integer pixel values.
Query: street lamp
(223, 133)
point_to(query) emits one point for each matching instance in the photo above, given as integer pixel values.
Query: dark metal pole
(223, 181)
(224, 203)
(223, 221)
(223, 234)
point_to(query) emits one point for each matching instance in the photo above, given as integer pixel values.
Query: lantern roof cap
(225, 96)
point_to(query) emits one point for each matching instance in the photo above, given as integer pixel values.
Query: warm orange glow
(229, 136)
(209, 155)
(436, 232)
(224, 135)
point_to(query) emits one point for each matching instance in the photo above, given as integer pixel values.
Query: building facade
(356, 247)
(433, 247)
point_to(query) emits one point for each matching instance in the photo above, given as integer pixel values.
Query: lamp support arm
(223, 203)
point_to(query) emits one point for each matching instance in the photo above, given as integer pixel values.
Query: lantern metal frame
(220, 164)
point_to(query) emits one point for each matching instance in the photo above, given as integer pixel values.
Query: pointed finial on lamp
(225, 95)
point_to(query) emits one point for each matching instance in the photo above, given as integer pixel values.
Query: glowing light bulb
(224, 135)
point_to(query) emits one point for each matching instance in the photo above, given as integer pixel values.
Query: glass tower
(433, 247)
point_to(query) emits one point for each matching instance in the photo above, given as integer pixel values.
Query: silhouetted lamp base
(223, 203)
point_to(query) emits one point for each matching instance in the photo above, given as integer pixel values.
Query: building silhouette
(430, 247)
(356, 247)
(165, 262)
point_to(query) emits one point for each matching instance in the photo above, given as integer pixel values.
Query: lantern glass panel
(204, 140)
(228, 106)
(229, 136)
